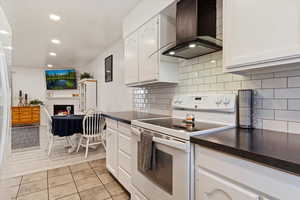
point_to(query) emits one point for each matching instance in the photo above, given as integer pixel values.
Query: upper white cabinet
(131, 59)
(260, 33)
(148, 46)
(144, 62)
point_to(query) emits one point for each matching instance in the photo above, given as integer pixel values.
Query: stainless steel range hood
(195, 29)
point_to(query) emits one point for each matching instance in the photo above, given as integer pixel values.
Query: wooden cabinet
(144, 63)
(132, 59)
(260, 34)
(213, 187)
(25, 115)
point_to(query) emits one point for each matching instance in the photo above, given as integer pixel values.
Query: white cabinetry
(220, 176)
(112, 151)
(213, 187)
(88, 94)
(144, 63)
(136, 195)
(118, 152)
(132, 59)
(260, 33)
(148, 45)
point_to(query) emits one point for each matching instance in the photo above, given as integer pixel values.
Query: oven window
(162, 173)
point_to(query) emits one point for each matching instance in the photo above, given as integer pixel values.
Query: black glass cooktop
(180, 124)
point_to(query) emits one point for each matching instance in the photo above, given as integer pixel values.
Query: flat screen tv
(61, 79)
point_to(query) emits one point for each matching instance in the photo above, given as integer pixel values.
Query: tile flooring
(84, 181)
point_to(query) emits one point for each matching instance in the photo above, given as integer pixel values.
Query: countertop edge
(117, 118)
(283, 165)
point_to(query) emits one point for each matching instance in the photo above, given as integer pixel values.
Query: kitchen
(201, 100)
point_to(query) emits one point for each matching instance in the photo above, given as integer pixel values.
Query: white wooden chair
(93, 131)
(49, 130)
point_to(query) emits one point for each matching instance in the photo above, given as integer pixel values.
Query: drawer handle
(207, 194)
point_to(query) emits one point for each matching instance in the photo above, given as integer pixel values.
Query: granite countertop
(128, 116)
(271, 148)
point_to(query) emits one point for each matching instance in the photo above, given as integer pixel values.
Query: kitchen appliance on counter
(245, 111)
(172, 177)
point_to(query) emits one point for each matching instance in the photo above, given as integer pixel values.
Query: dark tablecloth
(67, 125)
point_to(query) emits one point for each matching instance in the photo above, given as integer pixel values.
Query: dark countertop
(275, 149)
(128, 116)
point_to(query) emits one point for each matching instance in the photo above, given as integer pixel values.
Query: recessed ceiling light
(4, 32)
(55, 41)
(49, 65)
(172, 52)
(52, 54)
(8, 48)
(192, 45)
(54, 17)
(213, 61)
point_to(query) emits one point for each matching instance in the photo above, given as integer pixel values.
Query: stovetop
(181, 125)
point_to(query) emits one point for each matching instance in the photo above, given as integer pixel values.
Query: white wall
(114, 96)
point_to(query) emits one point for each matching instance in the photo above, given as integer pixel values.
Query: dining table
(67, 126)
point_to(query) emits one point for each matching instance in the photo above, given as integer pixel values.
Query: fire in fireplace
(62, 109)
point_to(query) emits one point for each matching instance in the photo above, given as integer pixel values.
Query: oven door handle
(171, 143)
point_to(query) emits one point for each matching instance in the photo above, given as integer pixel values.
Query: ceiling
(87, 28)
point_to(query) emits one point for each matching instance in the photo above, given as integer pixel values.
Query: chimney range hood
(195, 29)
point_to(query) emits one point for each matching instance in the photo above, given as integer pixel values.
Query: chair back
(47, 113)
(93, 123)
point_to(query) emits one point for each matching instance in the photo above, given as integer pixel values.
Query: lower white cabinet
(136, 195)
(213, 187)
(220, 176)
(112, 151)
(118, 152)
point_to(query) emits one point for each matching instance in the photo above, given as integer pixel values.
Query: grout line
(74, 182)
(48, 185)
(19, 187)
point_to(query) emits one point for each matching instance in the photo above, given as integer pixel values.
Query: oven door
(170, 178)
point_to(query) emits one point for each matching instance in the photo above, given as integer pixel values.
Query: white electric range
(172, 178)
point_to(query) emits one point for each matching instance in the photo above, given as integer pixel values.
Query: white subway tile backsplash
(290, 73)
(294, 104)
(264, 93)
(224, 78)
(287, 93)
(287, 115)
(251, 84)
(275, 125)
(262, 76)
(264, 114)
(294, 81)
(294, 127)
(274, 83)
(275, 104)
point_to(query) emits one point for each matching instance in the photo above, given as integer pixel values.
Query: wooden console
(25, 115)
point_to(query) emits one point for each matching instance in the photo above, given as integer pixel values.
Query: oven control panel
(209, 102)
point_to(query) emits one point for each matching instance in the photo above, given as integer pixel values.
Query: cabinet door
(112, 151)
(131, 59)
(136, 195)
(260, 33)
(213, 187)
(148, 47)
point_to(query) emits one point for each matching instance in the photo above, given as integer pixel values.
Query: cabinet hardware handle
(207, 194)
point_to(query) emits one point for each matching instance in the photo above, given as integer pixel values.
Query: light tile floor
(84, 181)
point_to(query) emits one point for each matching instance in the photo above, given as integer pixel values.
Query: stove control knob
(218, 101)
(226, 101)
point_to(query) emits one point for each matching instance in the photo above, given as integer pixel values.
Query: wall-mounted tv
(61, 79)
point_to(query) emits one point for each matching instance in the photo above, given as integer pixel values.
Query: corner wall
(114, 96)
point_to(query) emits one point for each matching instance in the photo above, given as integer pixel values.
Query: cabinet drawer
(113, 124)
(124, 128)
(125, 179)
(211, 186)
(125, 143)
(125, 161)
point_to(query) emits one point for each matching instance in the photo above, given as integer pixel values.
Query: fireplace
(62, 109)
